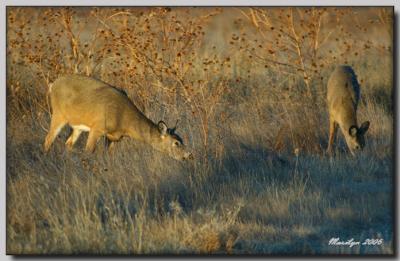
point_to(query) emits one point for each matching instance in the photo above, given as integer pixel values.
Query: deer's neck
(141, 128)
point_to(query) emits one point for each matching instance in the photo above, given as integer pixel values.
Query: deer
(87, 104)
(343, 96)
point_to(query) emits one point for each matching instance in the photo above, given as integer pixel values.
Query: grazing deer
(343, 97)
(88, 104)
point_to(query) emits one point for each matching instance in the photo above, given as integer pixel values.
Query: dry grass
(261, 182)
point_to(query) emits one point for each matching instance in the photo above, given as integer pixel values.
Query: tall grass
(261, 182)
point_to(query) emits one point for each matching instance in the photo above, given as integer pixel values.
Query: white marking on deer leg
(81, 127)
(73, 138)
(76, 134)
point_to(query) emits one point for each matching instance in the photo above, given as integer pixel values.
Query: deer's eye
(176, 143)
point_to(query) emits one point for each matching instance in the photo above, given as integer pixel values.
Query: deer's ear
(364, 127)
(353, 131)
(174, 128)
(162, 127)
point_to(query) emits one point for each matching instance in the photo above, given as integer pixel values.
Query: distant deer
(343, 97)
(88, 104)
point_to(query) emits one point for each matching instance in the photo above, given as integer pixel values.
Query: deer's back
(343, 88)
(82, 99)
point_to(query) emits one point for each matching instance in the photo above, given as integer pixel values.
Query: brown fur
(342, 98)
(87, 103)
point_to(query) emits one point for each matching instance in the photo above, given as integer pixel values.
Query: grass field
(248, 87)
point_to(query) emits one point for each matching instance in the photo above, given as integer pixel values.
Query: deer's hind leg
(57, 123)
(73, 138)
